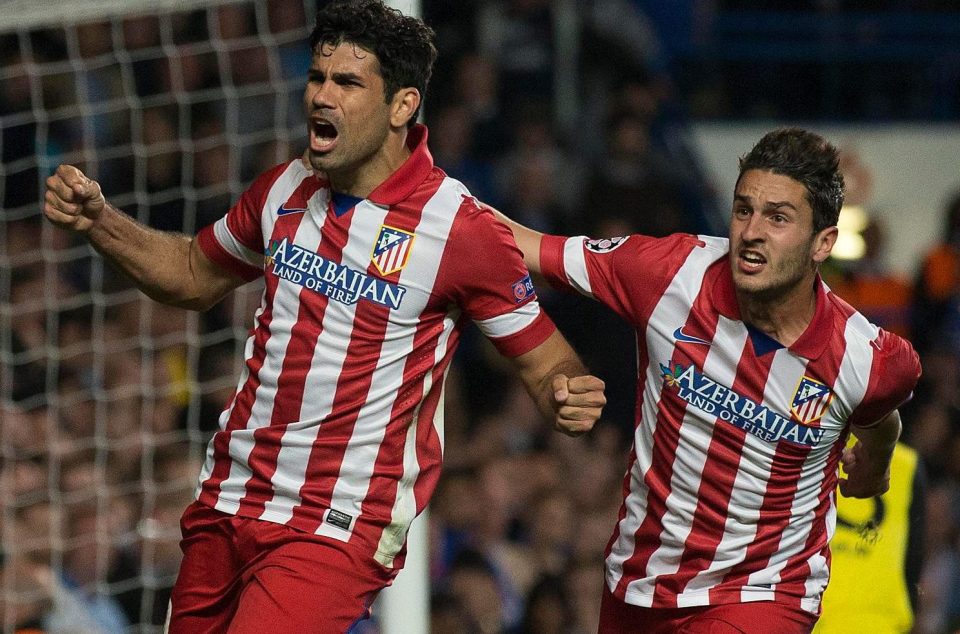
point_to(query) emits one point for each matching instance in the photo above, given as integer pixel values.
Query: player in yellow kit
(877, 556)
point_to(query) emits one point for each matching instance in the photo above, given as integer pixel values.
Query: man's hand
(72, 200)
(577, 402)
(867, 476)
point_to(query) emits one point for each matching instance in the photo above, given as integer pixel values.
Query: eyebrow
(336, 76)
(770, 205)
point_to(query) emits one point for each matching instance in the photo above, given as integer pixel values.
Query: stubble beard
(786, 275)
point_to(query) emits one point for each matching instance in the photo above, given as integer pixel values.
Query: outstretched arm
(527, 239)
(867, 462)
(168, 267)
(559, 384)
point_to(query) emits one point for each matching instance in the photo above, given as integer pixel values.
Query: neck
(361, 180)
(783, 317)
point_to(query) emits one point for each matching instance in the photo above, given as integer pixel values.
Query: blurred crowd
(107, 399)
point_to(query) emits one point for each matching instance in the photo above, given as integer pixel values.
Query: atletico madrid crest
(810, 401)
(391, 250)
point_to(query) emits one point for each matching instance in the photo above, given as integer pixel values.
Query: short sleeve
(894, 373)
(235, 241)
(486, 277)
(628, 274)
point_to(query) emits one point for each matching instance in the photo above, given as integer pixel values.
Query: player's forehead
(762, 188)
(344, 57)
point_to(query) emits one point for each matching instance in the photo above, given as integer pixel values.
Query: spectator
(936, 311)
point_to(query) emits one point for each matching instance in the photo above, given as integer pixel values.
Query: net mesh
(106, 398)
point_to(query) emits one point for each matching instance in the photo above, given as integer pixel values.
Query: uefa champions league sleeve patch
(522, 289)
(604, 245)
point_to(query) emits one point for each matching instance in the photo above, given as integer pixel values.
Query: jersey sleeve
(627, 273)
(235, 241)
(894, 373)
(487, 278)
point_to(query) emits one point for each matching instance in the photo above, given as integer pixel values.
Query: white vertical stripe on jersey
(421, 272)
(364, 445)
(285, 307)
(670, 312)
(817, 581)
(405, 505)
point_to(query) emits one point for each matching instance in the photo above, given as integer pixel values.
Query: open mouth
(323, 135)
(750, 260)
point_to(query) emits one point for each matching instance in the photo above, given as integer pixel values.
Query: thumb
(561, 388)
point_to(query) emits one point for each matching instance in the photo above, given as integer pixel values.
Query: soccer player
(372, 259)
(751, 376)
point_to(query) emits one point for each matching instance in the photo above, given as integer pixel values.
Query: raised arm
(867, 462)
(527, 239)
(168, 267)
(559, 384)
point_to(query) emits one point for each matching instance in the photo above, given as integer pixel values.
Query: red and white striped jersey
(729, 491)
(336, 427)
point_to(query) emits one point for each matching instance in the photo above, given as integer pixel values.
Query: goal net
(106, 398)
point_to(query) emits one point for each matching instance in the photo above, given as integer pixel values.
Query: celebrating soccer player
(372, 260)
(751, 376)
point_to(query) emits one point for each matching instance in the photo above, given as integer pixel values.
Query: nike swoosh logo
(679, 335)
(283, 211)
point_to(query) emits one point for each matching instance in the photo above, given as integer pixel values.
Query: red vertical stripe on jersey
(245, 219)
(296, 365)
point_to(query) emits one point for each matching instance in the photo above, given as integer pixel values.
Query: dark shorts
(242, 575)
(758, 617)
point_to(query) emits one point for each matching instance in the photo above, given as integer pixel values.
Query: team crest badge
(391, 250)
(810, 401)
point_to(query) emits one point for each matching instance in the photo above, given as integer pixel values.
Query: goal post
(107, 399)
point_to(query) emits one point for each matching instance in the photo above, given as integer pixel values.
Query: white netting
(106, 398)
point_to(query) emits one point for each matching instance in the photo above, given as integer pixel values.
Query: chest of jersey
(367, 260)
(706, 369)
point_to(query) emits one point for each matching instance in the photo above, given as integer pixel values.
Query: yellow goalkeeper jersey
(869, 589)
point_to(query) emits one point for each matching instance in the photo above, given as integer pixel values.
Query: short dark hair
(807, 158)
(403, 44)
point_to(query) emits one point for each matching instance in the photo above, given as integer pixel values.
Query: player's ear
(823, 243)
(403, 106)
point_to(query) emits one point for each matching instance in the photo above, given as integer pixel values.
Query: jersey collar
(811, 344)
(408, 177)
